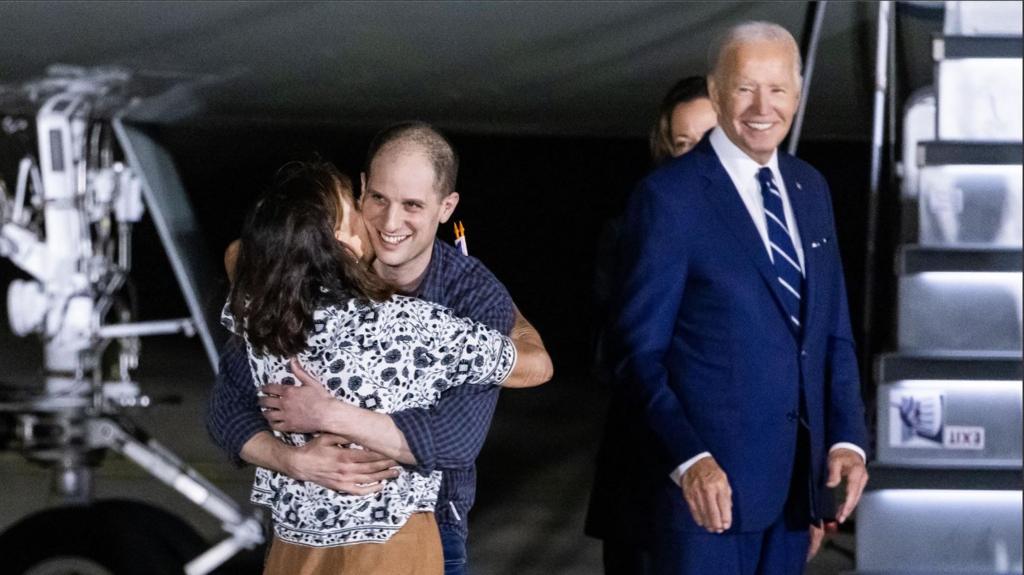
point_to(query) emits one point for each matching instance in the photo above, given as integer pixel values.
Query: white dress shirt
(742, 170)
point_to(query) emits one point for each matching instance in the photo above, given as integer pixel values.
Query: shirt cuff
(415, 426)
(678, 472)
(243, 427)
(851, 447)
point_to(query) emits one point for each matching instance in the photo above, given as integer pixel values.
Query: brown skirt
(414, 550)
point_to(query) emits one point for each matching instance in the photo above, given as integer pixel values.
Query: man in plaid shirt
(408, 190)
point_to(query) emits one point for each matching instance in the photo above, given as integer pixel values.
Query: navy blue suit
(707, 357)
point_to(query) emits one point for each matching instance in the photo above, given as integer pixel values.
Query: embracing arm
(310, 408)
(233, 416)
(448, 436)
(533, 364)
(324, 461)
(451, 434)
(236, 424)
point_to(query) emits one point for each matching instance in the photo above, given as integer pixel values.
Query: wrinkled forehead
(737, 53)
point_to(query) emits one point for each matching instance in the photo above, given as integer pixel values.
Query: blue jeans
(454, 546)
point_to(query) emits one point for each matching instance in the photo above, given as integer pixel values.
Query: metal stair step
(889, 476)
(979, 83)
(997, 366)
(939, 530)
(972, 18)
(975, 47)
(950, 424)
(959, 300)
(982, 153)
(916, 259)
(964, 206)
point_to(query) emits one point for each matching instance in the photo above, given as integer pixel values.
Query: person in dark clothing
(684, 116)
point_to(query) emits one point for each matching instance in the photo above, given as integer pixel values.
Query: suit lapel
(799, 200)
(724, 196)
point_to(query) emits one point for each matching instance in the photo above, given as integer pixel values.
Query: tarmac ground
(535, 471)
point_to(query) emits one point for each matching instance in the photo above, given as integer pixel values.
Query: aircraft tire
(111, 537)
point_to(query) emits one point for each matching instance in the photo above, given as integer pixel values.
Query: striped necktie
(783, 253)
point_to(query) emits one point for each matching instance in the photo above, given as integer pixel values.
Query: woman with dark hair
(684, 117)
(303, 290)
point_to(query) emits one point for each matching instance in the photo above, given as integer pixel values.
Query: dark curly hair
(290, 262)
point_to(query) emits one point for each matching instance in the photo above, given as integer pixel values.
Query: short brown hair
(430, 140)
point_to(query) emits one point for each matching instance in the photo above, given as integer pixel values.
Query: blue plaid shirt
(448, 436)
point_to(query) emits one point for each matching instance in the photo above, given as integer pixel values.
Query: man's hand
(297, 409)
(322, 461)
(310, 408)
(707, 491)
(849, 464)
(818, 532)
(326, 462)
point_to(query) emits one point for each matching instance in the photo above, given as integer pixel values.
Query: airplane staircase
(945, 495)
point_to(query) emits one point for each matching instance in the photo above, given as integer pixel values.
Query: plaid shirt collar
(431, 287)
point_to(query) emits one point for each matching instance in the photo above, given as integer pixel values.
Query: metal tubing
(246, 530)
(144, 328)
(809, 61)
(25, 168)
(878, 125)
(215, 556)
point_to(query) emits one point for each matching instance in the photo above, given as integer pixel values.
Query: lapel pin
(798, 186)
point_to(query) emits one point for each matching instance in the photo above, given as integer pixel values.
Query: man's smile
(393, 239)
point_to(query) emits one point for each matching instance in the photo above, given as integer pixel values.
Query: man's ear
(448, 204)
(362, 188)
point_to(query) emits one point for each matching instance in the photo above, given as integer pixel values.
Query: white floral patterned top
(387, 356)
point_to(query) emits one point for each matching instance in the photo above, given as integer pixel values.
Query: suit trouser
(778, 550)
(781, 549)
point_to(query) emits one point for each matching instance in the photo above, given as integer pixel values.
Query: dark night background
(533, 210)
(533, 205)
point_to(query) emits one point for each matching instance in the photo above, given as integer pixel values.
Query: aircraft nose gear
(68, 225)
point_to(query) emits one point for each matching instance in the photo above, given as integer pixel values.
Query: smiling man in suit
(733, 328)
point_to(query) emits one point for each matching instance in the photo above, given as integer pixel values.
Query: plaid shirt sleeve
(451, 434)
(234, 416)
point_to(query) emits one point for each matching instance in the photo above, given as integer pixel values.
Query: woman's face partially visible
(689, 122)
(351, 230)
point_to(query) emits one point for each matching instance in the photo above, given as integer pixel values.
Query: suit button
(803, 353)
(791, 416)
